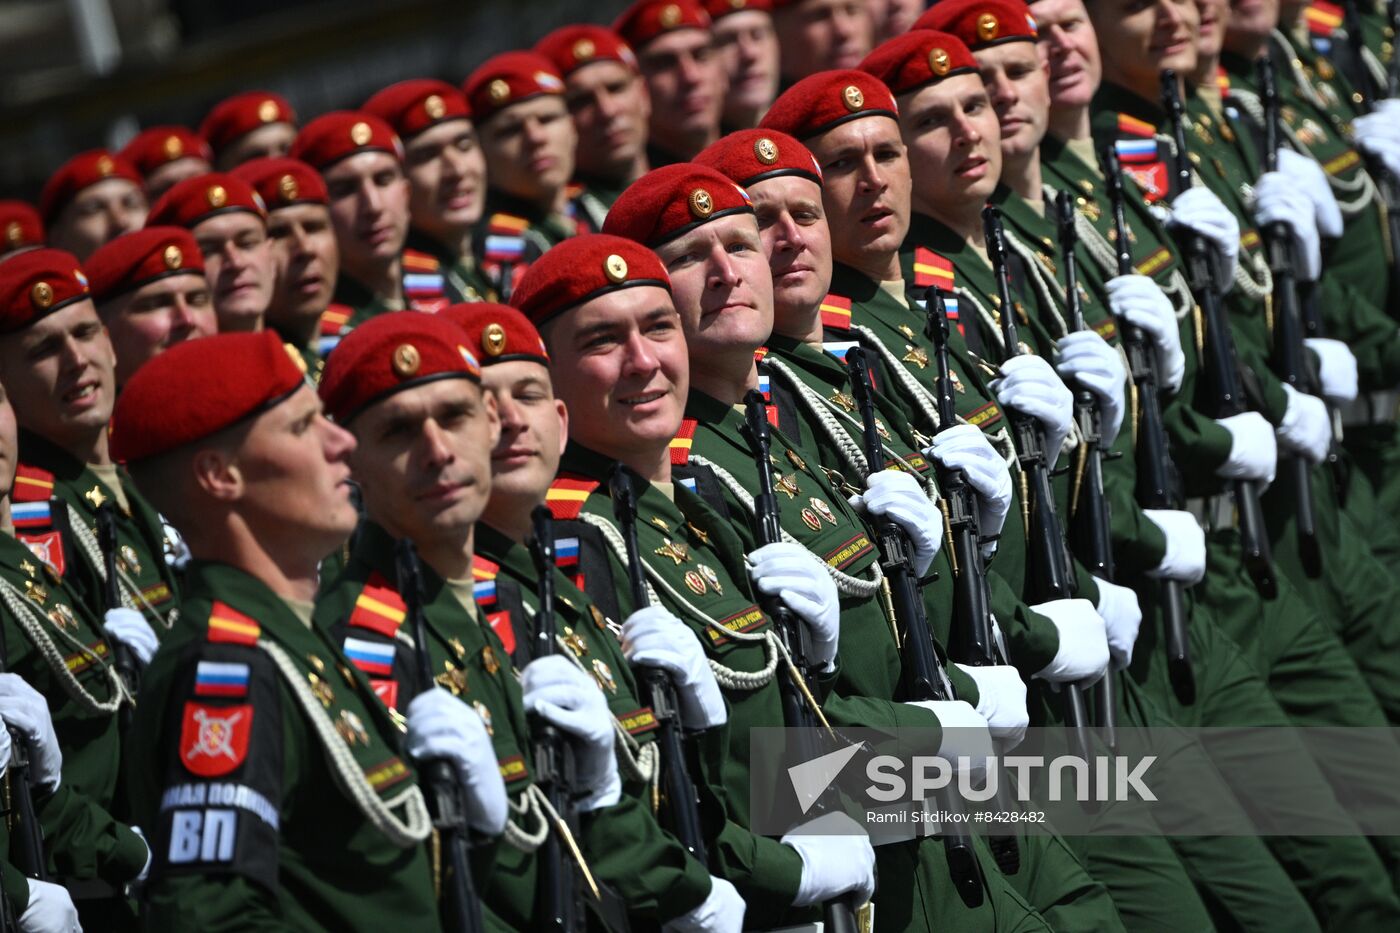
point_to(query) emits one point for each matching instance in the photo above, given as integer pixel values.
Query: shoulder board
(573, 189)
(836, 312)
(1132, 126)
(229, 626)
(32, 484)
(504, 223)
(419, 261)
(931, 269)
(378, 608)
(484, 568)
(334, 318)
(680, 444)
(567, 494)
(1323, 18)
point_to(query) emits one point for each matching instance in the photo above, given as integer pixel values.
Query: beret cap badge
(852, 98)
(42, 295)
(216, 196)
(288, 188)
(493, 339)
(584, 49)
(267, 111)
(434, 107)
(938, 61)
(406, 360)
(701, 204)
(361, 134)
(615, 267)
(670, 15)
(987, 27)
(172, 257)
(766, 150)
(498, 90)
(173, 148)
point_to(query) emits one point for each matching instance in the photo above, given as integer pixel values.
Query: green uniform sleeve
(647, 866)
(1031, 638)
(85, 841)
(1369, 333)
(1200, 447)
(15, 888)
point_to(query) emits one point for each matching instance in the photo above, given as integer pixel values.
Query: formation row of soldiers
(1011, 362)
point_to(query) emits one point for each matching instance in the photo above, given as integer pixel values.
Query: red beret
(145, 255)
(82, 171)
(750, 156)
(198, 388)
(981, 23)
(334, 136)
(675, 199)
(194, 199)
(152, 148)
(390, 353)
(20, 226)
(411, 107)
(498, 333)
(582, 268)
(35, 284)
(572, 47)
(282, 182)
(719, 8)
(243, 113)
(646, 19)
(510, 78)
(917, 59)
(825, 100)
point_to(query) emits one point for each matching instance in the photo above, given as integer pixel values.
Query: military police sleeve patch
(220, 805)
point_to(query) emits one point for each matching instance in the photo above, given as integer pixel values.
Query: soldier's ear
(563, 411)
(217, 474)
(493, 417)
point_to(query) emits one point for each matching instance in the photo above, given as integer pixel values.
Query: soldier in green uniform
(304, 255)
(58, 366)
(360, 158)
(446, 174)
(271, 776)
(517, 103)
(618, 363)
(229, 222)
(150, 292)
(610, 107)
(450, 450)
(58, 637)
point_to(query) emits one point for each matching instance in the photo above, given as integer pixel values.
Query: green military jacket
(53, 642)
(56, 499)
(512, 234)
(363, 610)
(1205, 444)
(423, 287)
(463, 279)
(1352, 290)
(893, 329)
(1124, 119)
(593, 198)
(269, 776)
(817, 516)
(1324, 28)
(676, 538)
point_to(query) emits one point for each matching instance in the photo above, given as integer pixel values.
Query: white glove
(967, 738)
(1029, 385)
(1001, 701)
(1253, 449)
(26, 709)
(130, 628)
(1388, 105)
(1122, 617)
(1306, 429)
(441, 726)
(836, 858)
(1083, 651)
(50, 910)
(1378, 135)
(1138, 300)
(1086, 358)
(796, 576)
(722, 911)
(1308, 177)
(653, 637)
(964, 447)
(568, 698)
(5, 751)
(1199, 210)
(901, 498)
(1337, 369)
(1278, 200)
(1185, 560)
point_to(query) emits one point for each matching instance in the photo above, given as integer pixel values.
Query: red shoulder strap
(378, 608)
(932, 269)
(229, 626)
(567, 494)
(32, 484)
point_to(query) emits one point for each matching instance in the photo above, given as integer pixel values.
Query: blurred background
(75, 74)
